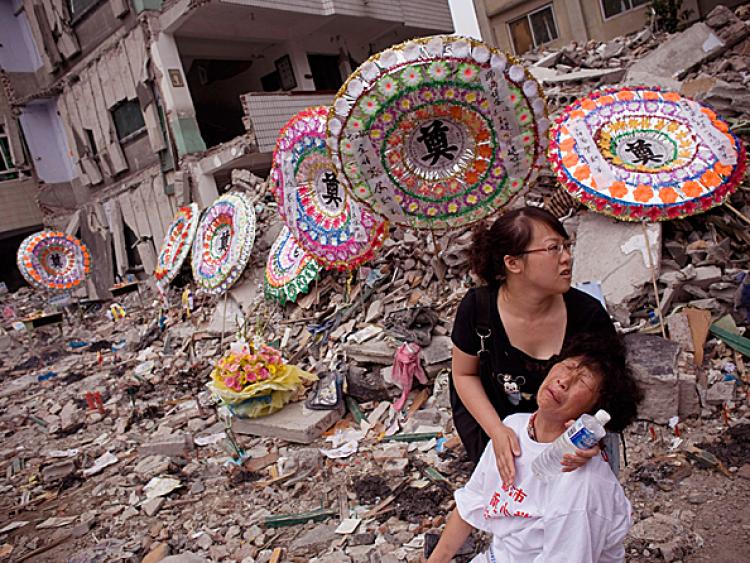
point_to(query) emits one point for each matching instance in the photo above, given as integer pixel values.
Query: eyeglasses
(553, 250)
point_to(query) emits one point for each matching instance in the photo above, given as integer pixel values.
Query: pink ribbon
(405, 367)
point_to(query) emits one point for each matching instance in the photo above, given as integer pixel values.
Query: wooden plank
(112, 60)
(154, 218)
(86, 114)
(119, 8)
(89, 171)
(162, 202)
(146, 248)
(93, 118)
(127, 76)
(135, 50)
(102, 69)
(153, 127)
(73, 115)
(62, 109)
(129, 217)
(114, 221)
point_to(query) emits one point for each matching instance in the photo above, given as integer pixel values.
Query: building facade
(116, 112)
(518, 26)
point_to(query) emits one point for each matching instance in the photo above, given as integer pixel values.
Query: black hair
(605, 356)
(509, 235)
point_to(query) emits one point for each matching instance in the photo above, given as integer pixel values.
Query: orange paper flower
(570, 160)
(720, 125)
(668, 195)
(588, 104)
(692, 189)
(710, 179)
(723, 169)
(582, 172)
(618, 189)
(568, 144)
(643, 193)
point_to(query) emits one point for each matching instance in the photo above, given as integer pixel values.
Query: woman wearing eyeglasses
(516, 324)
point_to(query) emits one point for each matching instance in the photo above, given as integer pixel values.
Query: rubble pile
(112, 448)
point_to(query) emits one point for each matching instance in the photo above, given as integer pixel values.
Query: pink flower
(233, 383)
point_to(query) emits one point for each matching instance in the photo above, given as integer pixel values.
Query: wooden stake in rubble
(223, 322)
(652, 269)
(737, 212)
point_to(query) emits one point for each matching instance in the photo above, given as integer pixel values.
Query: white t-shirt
(575, 517)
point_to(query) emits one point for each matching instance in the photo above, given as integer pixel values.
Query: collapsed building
(115, 113)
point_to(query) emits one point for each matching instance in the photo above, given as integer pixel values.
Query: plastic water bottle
(583, 434)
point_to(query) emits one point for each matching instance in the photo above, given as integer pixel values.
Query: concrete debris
(614, 254)
(680, 54)
(157, 471)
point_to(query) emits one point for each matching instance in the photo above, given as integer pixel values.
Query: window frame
(11, 167)
(606, 18)
(133, 134)
(527, 16)
(74, 18)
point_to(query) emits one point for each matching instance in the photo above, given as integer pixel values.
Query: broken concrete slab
(185, 557)
(59, 471)
(550, 76)
(374, 351)
(638, 78)
(171, 446)
(227, 318)
(316, 540)
(157, 553)
(697, 87)
(438, 351)
(151, 466)
(370, 384)
(678, 326)
(615, 254)
(681, 53)
(654, 362)
(293, 423)
(727, 99)
(720, 392)
(152, 506)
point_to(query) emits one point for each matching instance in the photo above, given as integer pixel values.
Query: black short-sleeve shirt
(517, 376)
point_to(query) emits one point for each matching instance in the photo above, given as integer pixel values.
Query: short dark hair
(605, 355)
(509, 235)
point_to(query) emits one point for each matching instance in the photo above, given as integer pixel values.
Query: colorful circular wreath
(176, 246)
(641, 153)
(438, 132)
(223, 243)
(289, 269)
(53, 260)
(325, 221)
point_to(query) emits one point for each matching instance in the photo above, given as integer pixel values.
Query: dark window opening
(128, 118)
(216, 87)
(271, 82)
(79, 7)
(325, 71)
(91, 141)
(533, 29)
(134, 258)
(614, 7)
